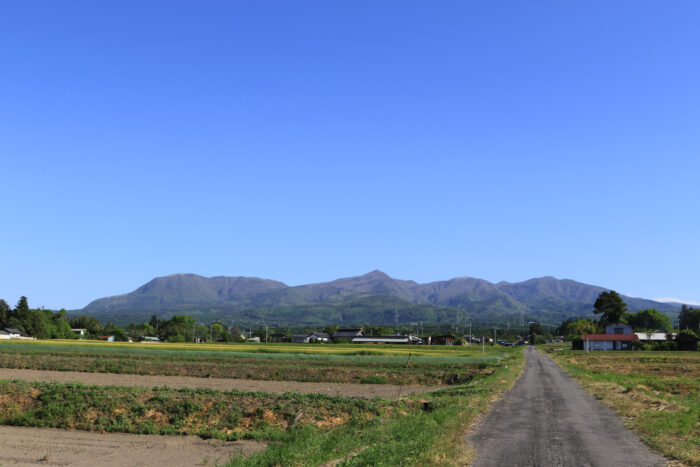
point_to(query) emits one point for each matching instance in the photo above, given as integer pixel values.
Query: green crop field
(656, 393)
(280, 362)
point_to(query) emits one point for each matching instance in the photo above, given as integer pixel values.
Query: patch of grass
(657, 394)
(374, 379)
(208, 413)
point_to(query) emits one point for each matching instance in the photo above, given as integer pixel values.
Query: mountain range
(372, 298)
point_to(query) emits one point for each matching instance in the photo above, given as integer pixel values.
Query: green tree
(574, 328)
(610, 306)
(330, 329)
(21, 310)
(649, 319)
(5, 313)
(689, 318)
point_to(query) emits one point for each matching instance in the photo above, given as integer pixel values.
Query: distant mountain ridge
(246, 298)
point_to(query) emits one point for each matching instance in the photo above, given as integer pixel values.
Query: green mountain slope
(373, 298)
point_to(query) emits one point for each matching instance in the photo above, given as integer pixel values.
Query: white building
(618, 336)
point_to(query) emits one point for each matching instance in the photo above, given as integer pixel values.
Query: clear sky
(305, 141)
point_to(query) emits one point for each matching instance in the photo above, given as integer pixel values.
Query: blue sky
(305, 141)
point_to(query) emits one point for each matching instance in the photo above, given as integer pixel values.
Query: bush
(667, 345)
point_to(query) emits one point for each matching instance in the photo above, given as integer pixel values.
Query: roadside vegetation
(657, 394)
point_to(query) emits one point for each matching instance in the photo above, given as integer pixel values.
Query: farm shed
(393, 339)
(348, 333)
(279, 337)
(149, 339)
(444, 339)
(656, 336)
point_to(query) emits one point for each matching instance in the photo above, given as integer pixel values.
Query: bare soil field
(220, 384)
(48, 446)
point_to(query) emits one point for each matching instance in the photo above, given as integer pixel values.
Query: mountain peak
(377, 274)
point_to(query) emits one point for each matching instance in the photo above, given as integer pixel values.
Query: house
(444, 339)
(106, 338)
(393, 339)
(312, 337)
(13, 333)
(279, 337)
(618, 336)
(79, 331)
(4, 335)
(348, 333)
(319, 337)
(300, 338)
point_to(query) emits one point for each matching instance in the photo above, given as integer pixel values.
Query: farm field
(297, 428)
(48, 446)
(657, 394)
(221, 384)
(278, 362)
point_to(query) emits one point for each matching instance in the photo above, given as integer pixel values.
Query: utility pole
(470, 332)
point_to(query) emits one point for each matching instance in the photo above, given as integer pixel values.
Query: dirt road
(548, 420)
(221, 384)
(48, 446)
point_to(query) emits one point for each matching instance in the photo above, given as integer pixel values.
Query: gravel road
(548, 420)
(221, 384)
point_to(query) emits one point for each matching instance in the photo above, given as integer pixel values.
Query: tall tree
(649, 319)
(610, 306)
(22, 309)
(689, 318)
(5, 313)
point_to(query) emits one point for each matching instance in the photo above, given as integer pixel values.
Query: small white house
(312, 337)
(79, 331)
(13, 333)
